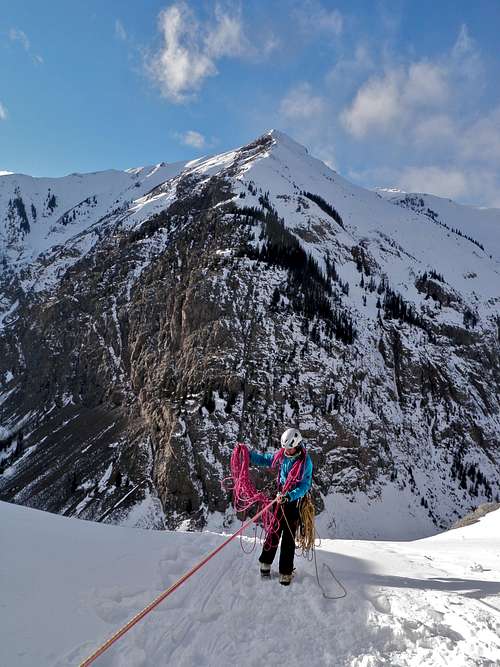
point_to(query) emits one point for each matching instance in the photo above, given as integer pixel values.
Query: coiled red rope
(245, 495)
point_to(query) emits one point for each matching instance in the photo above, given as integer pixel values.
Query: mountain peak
(284, 139)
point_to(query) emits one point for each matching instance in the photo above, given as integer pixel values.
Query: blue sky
(402, 94)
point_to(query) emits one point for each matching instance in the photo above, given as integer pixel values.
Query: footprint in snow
(171, 566)
(380, 603)
(114, 606)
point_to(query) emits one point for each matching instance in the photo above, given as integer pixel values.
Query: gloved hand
(282, 497)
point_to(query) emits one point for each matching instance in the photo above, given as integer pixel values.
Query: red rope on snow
(244, 496)
(172, 588)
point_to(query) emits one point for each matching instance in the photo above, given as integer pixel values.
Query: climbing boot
(286, 579)
(265, 570)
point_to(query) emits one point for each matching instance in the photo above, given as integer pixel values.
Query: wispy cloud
(226, 36)
(436, 180)
(350, 68)
(313, 17)
(120, 32)
(431, 107)
(20, 36)
(3, 112)
(192, 138)
(16, 35)
(182, 64)
(481, 139)
(191, 49)
(301, 103)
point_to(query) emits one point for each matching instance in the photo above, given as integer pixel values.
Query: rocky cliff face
(241, 294)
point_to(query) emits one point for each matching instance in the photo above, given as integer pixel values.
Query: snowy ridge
(284, 169)
(37, 213)
(480, 224)
(429, 603)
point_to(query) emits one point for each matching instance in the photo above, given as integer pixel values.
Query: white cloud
(181, 65)
(190, 49)
(426, 85)
(435, 180)
(300, 103)
(192, 138)
(401, 99)
(425, 112)
(324, 149)
(477, 141)
(394, 100)
(347, 69)
(120, 32)
(466, 184)
(376, 106)
(16, 35)
(481, 140)
(330, 21)
(438, 128)
(465, 58)
(3, 112)
(226, 38)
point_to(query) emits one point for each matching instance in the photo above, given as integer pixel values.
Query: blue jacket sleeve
(257, 459)
(305, 483)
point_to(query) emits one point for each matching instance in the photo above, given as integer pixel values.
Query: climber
(293, 484)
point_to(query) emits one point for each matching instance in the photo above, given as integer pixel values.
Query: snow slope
(482, 224)
(67, 585)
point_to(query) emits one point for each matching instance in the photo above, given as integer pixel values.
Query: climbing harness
(172, 588)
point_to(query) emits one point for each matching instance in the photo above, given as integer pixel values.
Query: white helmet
(291, 438)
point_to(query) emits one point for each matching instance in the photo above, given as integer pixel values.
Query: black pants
(290, 512)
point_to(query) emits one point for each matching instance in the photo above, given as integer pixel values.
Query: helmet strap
(291, 456)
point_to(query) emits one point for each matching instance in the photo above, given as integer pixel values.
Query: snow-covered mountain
(38, 213)
(428, 603)
(152, 318)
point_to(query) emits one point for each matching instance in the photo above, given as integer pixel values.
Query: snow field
(67, 585)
